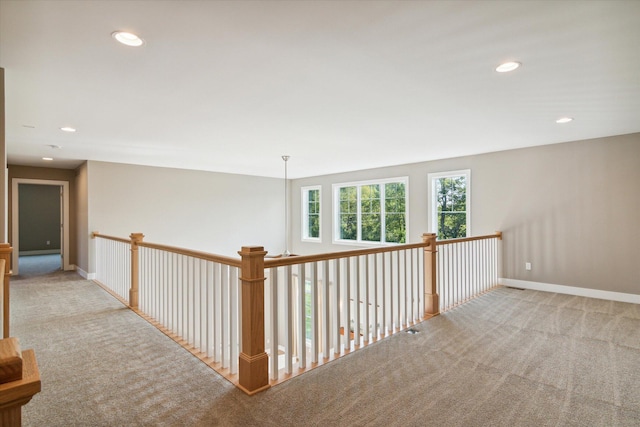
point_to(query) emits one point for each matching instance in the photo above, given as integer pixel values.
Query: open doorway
(40, 236)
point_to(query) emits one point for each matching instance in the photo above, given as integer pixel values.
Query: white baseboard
(85, 275)
(39, 252)
(572, 290)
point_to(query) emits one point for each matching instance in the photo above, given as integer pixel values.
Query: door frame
(15, 219)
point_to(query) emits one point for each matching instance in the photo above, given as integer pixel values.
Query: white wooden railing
(113, 264)
(344, 302)
(194, 297)
(467, 268)
(259, 321)
(191, 296)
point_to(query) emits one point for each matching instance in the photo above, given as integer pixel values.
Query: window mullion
(383, 213)
(359, 213)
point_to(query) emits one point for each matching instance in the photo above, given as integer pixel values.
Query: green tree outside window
(373, 212)
(313, 214)
(451, 207)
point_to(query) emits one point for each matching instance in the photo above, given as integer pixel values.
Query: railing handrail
(298, 259)
(234, 262)
(301, 259)
(496, 235)
(104, 236)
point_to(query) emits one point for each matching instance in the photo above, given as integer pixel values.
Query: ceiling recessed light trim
(48, 159)
(506, 67)
(563, 120)
(127, 38)
(68, 129)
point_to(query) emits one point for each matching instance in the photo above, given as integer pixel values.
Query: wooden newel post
(431, 299)
(19, 381)
(5, 253)
(133, 291)
(253, 363)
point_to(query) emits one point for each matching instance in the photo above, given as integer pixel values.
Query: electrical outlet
(527, 266)
(48, 242)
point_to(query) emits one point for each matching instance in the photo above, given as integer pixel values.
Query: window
(450, 203)
(371, 212)
(311, 218)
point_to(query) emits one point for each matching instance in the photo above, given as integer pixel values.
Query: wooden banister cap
(10, 360)
(252, 251)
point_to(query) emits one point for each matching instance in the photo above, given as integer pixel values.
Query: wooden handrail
(104, 236)
(234, 262)
(300, 259)
(296, 259)
(496, 235)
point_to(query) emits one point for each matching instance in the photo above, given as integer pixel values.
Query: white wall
(570, 209)
(212, 212)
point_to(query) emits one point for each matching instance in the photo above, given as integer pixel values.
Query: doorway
(57, 216)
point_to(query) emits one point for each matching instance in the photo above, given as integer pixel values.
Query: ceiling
(337, 85)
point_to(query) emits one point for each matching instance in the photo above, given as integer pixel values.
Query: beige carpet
(508, 358)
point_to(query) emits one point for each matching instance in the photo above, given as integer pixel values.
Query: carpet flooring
(507, 358)
(37, 265)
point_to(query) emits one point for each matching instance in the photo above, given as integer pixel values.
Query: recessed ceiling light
(128, 39)
(564, 120)
(507, 66)
(67, 129)
(47, 158)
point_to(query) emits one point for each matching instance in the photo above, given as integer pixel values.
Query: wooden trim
(104, 236)
(431, 297)
(296, 259)
(15, 394)
(300, 259)
(5, 255)
(496, 235)
(233, 262)
(253, 363)
(136, 239)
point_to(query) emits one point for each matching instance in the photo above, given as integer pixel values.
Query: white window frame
(336, 211)
(433, 201)
(305, 214)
